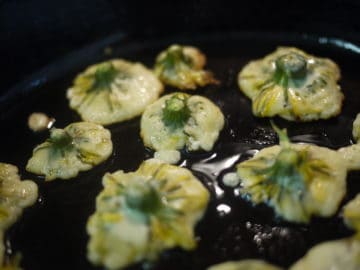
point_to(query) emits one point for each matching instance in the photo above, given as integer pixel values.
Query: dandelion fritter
(335, 255)
(351, 213)
(179, 120)
(113, 91)
(292, 84)
(351, 153)
(339, 254)
(356, 128)
(78, 147)
(297, 180)
(15, 196)
(140, 214)
(182, 67)
(249, 264)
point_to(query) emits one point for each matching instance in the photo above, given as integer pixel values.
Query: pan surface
(52, 235)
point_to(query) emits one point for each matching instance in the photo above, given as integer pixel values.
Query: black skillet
(51, 234)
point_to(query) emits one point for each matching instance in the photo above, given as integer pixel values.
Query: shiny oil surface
(52, 235)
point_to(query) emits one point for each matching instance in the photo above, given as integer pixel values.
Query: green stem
(282, 133)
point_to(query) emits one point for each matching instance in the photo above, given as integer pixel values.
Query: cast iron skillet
(51, 234)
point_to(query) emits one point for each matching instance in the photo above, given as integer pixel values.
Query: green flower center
(143, 197)
(290, 69)
(286, 170)
(174, 57)
(60, 138)
(104, 76)
(176, 112)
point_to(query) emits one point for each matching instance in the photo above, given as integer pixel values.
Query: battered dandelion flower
(297, 180)
(351, 214)
(356, 128)
(293, 85)
(78, 147)
(140, 214)
(182, 67)
(179, 120)
(335, 255)
(244, 265)
(113, 91)
(15, 195)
